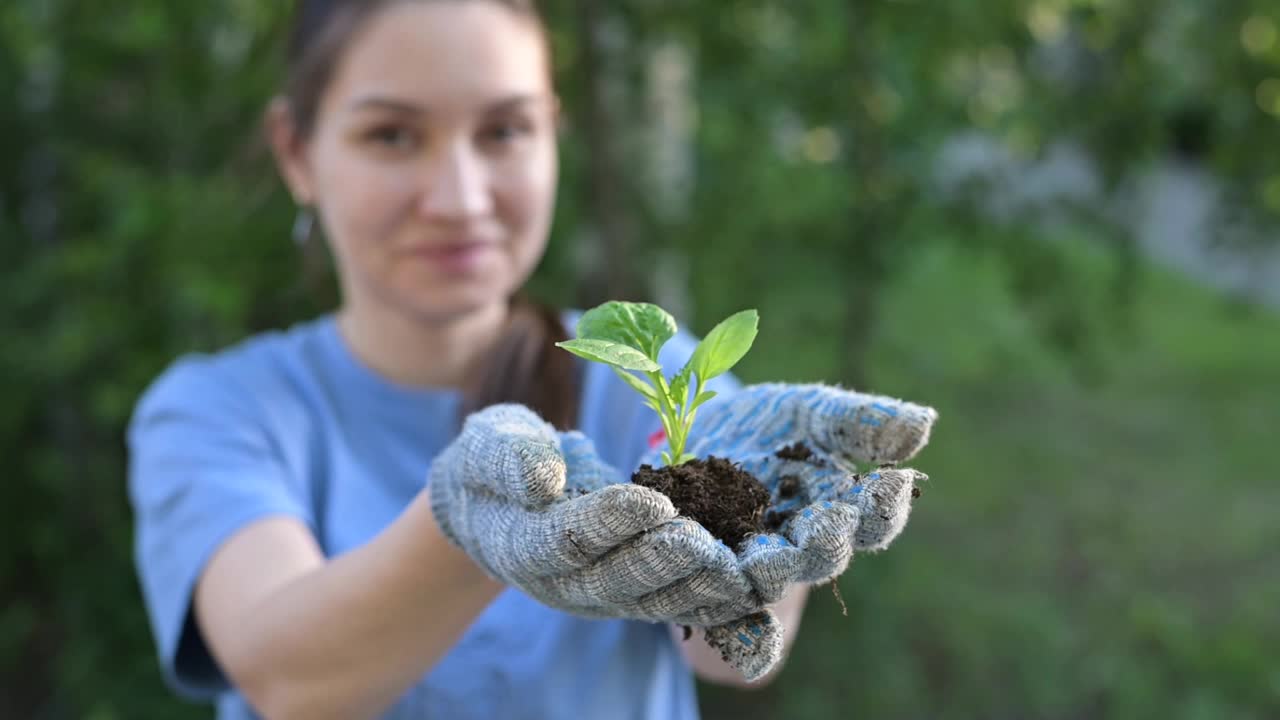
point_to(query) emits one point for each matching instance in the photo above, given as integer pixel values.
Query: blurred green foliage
(1095, 541)
(1080, 551)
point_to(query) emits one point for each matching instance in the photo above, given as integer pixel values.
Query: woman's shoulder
(259, 368)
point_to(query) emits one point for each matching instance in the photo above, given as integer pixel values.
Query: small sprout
(628, 336)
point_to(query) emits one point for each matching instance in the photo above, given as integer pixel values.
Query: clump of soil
(725, 499)
(796, 451)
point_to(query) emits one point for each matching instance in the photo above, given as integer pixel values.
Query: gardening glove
(802, 443)
(540, 511)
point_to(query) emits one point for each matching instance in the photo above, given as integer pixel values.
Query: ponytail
(527, 368)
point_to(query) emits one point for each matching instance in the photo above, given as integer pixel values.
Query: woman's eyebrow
(408, 107)
(513, 102)
(385, 103)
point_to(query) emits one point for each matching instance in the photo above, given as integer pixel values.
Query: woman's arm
(302, 637)
(707, 663)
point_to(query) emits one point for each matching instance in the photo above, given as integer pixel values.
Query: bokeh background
(1055, 221)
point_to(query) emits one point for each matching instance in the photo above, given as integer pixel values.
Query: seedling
(627, 336)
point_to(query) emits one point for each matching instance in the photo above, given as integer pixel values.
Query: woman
(289, 556)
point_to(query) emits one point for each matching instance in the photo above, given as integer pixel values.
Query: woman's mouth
(454, 258)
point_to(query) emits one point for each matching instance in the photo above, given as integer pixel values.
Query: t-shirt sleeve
(202, 465)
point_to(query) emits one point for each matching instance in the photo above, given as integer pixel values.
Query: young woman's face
(433, 157)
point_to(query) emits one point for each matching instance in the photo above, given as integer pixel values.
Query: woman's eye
(392, 137)
(506, 132)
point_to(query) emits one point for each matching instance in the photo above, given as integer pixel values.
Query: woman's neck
(419, 351)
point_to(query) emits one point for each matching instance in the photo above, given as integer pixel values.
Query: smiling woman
(289, 555)
(429, 153)
(319, 536)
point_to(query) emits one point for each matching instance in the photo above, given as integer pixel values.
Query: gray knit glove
(823, 508)
(540, 511)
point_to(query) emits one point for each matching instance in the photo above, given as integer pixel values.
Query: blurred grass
(1089, 546)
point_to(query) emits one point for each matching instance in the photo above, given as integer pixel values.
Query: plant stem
(668, 415)
(687, 413)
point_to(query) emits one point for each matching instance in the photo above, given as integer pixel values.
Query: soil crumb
(797, 451)
(789, 486)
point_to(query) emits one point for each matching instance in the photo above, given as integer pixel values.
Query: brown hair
(526, 367)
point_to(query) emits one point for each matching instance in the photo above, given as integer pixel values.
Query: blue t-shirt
(292, 423)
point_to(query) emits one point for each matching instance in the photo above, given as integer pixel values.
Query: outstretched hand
(539, 510)
(804, 443)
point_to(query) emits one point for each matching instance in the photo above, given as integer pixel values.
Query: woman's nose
(457, 185)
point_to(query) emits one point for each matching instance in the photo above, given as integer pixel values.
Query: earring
(303, 224)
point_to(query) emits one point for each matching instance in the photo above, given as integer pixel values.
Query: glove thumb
(752, 645)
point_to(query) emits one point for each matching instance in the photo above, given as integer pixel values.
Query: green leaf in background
(610, 353)
(642, 326)
(725, 345)
(174, 233)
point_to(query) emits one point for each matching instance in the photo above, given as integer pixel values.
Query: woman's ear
(289, 149)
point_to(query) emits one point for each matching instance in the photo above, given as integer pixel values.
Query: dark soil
(798, 451)
(725, 499)
(788, 486)
(728, 501)
(773, 520)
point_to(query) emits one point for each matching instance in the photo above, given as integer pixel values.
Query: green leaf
(610, 353)
(680, 384)
(725, 345)
(702, 398)
(642, 326)
(640, 386)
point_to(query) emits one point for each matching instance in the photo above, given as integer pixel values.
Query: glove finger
(712, 615)
(884, 502)
(867, 428)
(752, 645)
(518, 545)
(509, 451)
(585, 469)
(542, 591)
(824, 533)
(770, 563)
(705, 616)
(571, 534)
(648, 562)
(604, 519)
(708, 597)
